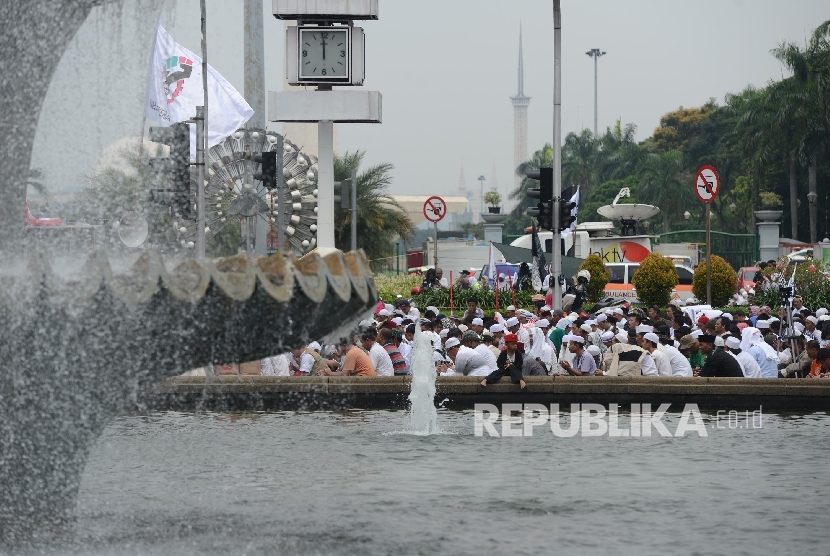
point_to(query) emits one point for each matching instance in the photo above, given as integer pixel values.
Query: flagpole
(200, 188)
(451, 285)
(140, 165)
(497, 290)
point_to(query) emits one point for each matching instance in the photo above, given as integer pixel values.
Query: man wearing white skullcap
(749, 366)
(649, 342)
(556, 334)
(821, 312)
(752, 342)
(810, 330)
(544, 324)
(644, 328)
(477, 325)
(583, 364)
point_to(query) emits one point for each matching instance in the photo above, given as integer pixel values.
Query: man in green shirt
(691, 349)
(556, 335)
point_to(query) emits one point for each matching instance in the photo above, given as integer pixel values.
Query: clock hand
(324, 49)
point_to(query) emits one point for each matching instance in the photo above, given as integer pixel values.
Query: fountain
(423, 416)
(81, 341)
(628, 214)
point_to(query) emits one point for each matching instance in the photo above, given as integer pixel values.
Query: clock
(324, 54)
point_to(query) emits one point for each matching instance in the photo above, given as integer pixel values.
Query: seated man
(718, 362)
(510, 362)
(823, 359)
(355, 363)
(583, 364)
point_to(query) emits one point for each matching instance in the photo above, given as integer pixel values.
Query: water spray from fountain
(423, 417)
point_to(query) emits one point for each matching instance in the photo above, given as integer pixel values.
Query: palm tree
(379, 217)
(579, 157)
(619, 154)
(807, 90)
(34, 180)
(662, 183)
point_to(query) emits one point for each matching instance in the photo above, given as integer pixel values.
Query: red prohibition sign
(707, 183)
(435, 209)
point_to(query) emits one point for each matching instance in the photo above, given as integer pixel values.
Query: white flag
(491, 267)
(174, 90)
(574, 199)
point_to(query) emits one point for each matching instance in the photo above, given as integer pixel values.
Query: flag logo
(177, 69)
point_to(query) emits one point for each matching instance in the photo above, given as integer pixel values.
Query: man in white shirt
(810, 330)
(679, 364)
(472, 341)
(466, 361)
(380, 359)
(514, 327)
(749, 366)
(649, 342)
(439, 274)
(276, 365)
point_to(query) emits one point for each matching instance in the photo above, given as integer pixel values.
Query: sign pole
(434, 211)
(708, 254)
(707, 186)
(280, 196)
(435, 242)
(557, 155)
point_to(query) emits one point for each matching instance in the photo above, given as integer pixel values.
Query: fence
(737, 249)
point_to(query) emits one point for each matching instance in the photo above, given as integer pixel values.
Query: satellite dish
(133, 229)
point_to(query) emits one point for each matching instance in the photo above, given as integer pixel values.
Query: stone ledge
(274, 393)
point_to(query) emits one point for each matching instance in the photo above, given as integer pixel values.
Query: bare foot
(522, 384)
(484, 382)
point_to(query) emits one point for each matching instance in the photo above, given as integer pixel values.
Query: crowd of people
(619, 341)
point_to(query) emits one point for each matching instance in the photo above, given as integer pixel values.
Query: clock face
(324, 53)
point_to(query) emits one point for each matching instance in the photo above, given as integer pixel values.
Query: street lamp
(733, 207)
(481, 195)
(812, 196)
(595, 53)
(687, 215)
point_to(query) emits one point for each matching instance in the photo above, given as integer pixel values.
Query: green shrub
(486, 298)
(654, 280)
(724, 282)
(390, 286)
(810, 283)
(600, 276)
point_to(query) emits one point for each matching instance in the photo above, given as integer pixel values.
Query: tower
(520, 104)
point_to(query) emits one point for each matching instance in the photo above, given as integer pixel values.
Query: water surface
(350, 483)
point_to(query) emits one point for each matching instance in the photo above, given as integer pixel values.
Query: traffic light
(342, 193)
(566, 209)
(544, 208)
(177, 166)
(268, 174)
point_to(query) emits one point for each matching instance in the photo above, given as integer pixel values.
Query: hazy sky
(446, 69)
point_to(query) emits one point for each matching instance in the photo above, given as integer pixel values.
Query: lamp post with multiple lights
(595, 53)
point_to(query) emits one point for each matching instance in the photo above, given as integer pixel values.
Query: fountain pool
(355, 483)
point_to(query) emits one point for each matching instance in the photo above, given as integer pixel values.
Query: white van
(620, 283)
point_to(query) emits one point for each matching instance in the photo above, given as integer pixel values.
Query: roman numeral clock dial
(324, 54)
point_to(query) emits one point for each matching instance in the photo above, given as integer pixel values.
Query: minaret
(520, 104)
(462, 185)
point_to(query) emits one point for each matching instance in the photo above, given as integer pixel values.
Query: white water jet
(423, 417)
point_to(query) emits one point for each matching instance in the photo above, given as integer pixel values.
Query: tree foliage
(654, 280)
(769, 140)
(600, 276)
(116, 190)
(379, 217)
(724, 281)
